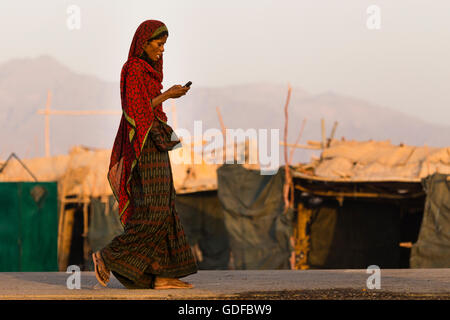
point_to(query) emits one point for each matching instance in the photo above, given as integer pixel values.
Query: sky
(320, 46)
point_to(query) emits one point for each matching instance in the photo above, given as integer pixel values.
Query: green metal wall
(28, 226)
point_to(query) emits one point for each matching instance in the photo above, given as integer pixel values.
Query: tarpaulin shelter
(362, 203)
(432, 249)
(253, 205)
(201, 212)
(203, 220)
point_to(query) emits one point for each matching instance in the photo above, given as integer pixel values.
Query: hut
(84, 211)
(365, 203)
(79, 180)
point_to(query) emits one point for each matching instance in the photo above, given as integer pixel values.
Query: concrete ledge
(240, 284)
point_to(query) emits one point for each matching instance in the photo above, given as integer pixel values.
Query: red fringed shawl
(139, 82)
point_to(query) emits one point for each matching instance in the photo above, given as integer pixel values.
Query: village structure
(356, 204)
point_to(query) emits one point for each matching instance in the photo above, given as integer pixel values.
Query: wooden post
(333, 131)
(36, 145)
(62, 188)
(302, 238)
(246, 152)
(427, 160)
(60, 233)
(291, 155)
(324, 136)
(288, 187)
(86, 203)
(85, 228)
(67, 231)
(47, 124)
(47, 112)
(61, 216)
(222, 126)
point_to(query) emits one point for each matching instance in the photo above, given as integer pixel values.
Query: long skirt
(153, 242)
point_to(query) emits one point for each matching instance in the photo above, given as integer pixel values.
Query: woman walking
(153, 251)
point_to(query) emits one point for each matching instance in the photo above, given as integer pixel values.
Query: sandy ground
(239, 284)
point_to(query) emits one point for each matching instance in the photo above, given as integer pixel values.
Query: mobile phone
(188, 84)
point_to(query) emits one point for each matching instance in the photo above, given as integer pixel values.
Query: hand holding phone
(177, 91)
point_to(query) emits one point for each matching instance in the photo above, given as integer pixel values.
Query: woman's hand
(177, 91)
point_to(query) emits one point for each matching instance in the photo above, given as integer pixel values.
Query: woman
(153, 251)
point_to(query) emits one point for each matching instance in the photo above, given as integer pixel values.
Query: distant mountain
(23, 90)
(24, 84)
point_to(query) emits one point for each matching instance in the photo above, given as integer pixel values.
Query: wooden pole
(47, 112)
(246, 151)
(47, 124)
(85, 228)
(36, 145)
(222, 126)
(286, 120)
(60, 231)
(66, 238)
(62, 188)
(333, 131)
(302, 238)
(291, 155)
(288, 188)
(324, 136)
(85, 222)
(427, 160)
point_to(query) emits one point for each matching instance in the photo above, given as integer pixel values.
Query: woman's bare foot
(101, 271)
(171, 283)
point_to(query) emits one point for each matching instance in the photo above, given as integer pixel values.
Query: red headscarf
(139, 82)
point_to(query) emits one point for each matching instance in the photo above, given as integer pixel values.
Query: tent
(253, 205)
(432, 249)
(362, 203)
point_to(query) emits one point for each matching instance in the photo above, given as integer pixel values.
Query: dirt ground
(396, 284)
(339, 294)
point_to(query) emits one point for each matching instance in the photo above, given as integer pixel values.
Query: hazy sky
(322, 45)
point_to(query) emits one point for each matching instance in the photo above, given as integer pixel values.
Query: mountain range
(24, 84)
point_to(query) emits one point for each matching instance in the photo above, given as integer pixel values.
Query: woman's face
(155, 48)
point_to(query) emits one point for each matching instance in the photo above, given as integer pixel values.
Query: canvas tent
(253, 205)
(432, 249)
(203, 221)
